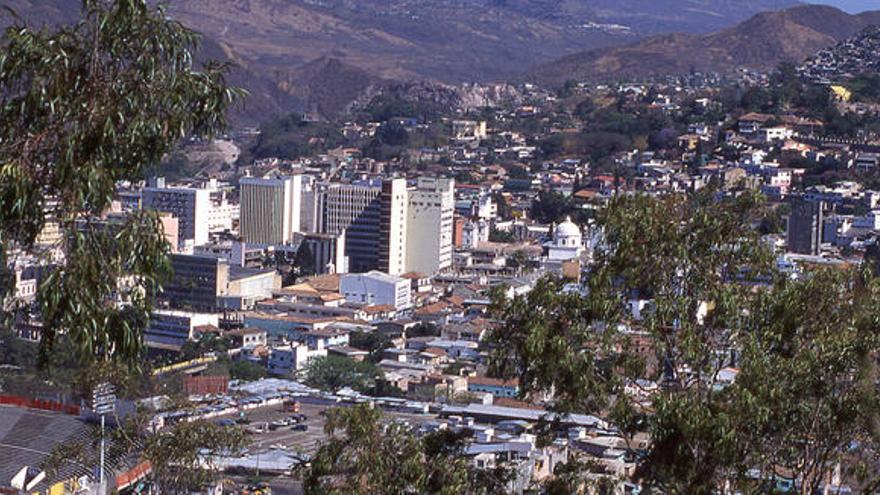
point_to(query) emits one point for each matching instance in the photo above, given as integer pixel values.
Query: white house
(289, 358)
(376, 288)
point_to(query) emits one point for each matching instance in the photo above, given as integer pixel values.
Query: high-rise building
(429, 226)
(310, 214)
(804, 233)
(190, 205)
(390, 227)
(270, 209)
(353, 209)
(393, 247)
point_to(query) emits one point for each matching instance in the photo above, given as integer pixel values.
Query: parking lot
(307, 442)
(286, 436)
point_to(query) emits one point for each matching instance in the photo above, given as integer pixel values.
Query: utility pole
(103, 403)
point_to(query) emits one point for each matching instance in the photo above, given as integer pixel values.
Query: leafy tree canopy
(365, 455)
(332, 373)
(81, 108)
(805, 392)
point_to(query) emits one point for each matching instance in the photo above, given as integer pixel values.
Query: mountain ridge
(760, 42)
(318, 54)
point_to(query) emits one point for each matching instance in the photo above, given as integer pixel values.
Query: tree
(805, 393)
(550, 207)
(373, 342)
(423, 329)
(501, 236)
(364, 455)
(207, 342)
(332, 373)
(246, 370)
(83, 107)
(584, 109)
(183, 457)
(505, 212)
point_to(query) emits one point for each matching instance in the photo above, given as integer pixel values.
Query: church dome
(567, 229)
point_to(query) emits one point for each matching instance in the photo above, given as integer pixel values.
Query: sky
(852, 6)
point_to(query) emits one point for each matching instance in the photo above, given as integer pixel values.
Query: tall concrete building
(190, 205)
(353, 209)
(394, 202)
(310, 214)
(270, 209)
(429, 225)
(804, 232)
(390, 227)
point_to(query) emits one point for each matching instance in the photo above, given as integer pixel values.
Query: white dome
(567, 229)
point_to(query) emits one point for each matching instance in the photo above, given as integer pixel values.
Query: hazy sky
(853, 6)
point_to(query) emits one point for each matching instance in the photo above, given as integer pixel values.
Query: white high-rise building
(394, 227)
(191, 206)
(270, 209)
(428, 237)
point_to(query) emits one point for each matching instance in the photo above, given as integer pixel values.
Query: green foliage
(389, 105)
(596, 145)
(82, 108)
(174, 167)
(806, 390)
(865, 87)
(364, 455)
(305, 260)
(423, 330)
(207, 342)
(496, 235)
(292, 137)
(392, 134)
(332, 373)
(584, 109)
(16, 352)
(183, 456)
(553, 207)
(505, 212)
(372, 342)
(246, 370)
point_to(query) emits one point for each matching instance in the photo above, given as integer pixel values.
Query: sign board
(103, 399)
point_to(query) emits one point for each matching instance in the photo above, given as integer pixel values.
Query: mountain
(851, 58)
(266, 98)
(760, 42)
(316, 54)
(327, 85)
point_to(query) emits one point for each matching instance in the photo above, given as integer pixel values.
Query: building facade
(804, 232)
(376, 288)
(393, 227)
(190, 205)
(429, 228)
(270, 209)
(353, 210)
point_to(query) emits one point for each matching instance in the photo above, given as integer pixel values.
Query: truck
(291, 406)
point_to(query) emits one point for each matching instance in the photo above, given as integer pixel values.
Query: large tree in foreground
(83, 107)
(805, 397)
(364, 454)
